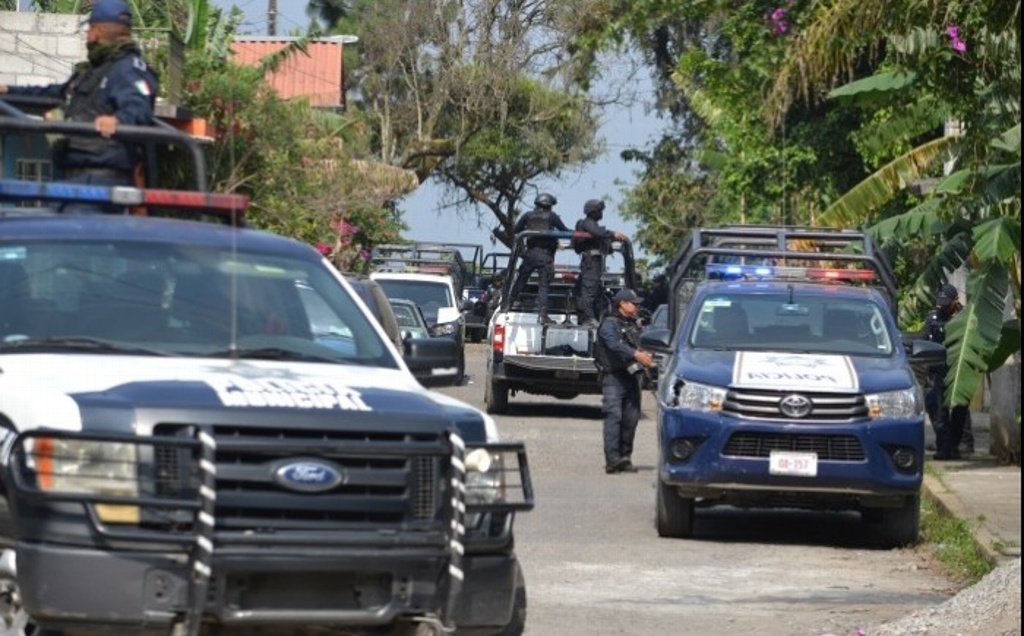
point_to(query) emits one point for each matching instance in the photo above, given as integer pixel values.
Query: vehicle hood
(68, 392)
(797, 371)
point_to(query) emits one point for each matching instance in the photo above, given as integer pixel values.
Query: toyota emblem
(795, 406)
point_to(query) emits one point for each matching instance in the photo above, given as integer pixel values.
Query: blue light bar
(729, 271)
(55, 191)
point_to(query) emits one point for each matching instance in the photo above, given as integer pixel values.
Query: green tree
(713, 63)
(477, 97)
(961, 61)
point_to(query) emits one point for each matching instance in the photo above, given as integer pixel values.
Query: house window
(33, 170)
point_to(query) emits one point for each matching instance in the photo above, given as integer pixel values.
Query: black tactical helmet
(545, 200)
(593, 207)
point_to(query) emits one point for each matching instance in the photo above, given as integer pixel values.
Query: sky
(622, 127)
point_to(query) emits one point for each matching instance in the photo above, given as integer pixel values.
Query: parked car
(411, 322)
(433, 361)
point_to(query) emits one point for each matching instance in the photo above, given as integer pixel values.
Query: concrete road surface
(595, 566)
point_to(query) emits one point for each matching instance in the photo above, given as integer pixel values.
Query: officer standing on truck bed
(592, 252)
(621, 361)
(114, 86)
(540, 253)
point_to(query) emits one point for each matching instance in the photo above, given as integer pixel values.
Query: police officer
(951, 425)
(115, 86)
(592, 251)
(540, 252)
(621, 362)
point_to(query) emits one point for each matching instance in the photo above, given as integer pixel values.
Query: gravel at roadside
(989, 608)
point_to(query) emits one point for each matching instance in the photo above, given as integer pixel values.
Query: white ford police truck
(203, 430)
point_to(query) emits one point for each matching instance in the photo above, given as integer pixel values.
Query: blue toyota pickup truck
(787, 382)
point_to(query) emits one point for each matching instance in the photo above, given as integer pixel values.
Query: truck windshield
(782, 322)
(179, 300)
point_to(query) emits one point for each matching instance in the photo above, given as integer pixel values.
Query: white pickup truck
(432, 276)
(558, 359)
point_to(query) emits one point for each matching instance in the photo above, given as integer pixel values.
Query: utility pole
(271, 17)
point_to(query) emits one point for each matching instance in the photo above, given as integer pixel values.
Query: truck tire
(460, 373)
(14, 620)
(902, 526)
(496, 397)
(674, 513)
(517, 624)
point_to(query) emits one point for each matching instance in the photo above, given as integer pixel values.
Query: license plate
(787, 463)
(565, 374)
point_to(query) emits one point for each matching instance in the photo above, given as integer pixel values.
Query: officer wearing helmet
(592, 251)
(952, 426)
(540, 253)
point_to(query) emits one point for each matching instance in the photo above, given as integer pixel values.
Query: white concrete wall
(39, 48)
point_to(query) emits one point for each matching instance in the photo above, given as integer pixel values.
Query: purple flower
(955, 42)
(780, 28)
(364, 254)
(778, 14)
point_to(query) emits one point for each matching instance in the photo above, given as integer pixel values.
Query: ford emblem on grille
(795, 406)
(309, 475)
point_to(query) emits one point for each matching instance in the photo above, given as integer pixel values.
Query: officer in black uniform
(540, 253)
(115, 86)
(621, 362)
(951, 425)
(592, 251)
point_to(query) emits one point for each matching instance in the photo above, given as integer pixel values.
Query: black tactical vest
(539, 220)
(83, 103)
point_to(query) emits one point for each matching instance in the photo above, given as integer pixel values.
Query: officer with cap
(621, 361)
(114, 86)
(951, 425)
(592, 250)
(540, 252)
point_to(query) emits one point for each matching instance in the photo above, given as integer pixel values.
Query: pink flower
(324, 249)
(955, 42)
(364, 254)
(778, 14)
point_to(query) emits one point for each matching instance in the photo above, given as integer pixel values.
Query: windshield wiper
(79, 343)
(270, 353)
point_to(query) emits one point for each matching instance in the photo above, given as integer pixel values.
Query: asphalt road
(594, 564)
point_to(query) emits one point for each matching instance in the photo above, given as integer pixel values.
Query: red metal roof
(317, 75)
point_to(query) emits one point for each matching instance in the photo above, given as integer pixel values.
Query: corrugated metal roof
(317, 75)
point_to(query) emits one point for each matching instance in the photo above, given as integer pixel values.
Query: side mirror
(927, 352)
(657, 339)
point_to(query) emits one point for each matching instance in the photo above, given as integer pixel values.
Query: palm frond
(952, 254)
(870, 194)
(973, 334)
(997, 241)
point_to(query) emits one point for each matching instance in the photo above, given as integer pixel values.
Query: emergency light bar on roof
(229, 207)
(725, 271)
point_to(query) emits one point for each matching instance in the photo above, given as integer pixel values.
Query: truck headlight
(894, 404)
(87, 467)
(699, 397)
(444, 329)
(484, 477)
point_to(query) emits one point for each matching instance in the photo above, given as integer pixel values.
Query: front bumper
(730, 460)
(149, 591)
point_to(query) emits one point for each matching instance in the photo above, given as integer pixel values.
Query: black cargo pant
(591, 268)
(949, 424)
(620, 404)
(541, 260)
(102, 177)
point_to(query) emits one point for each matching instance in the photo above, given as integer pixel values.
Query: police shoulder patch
(139, 63)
